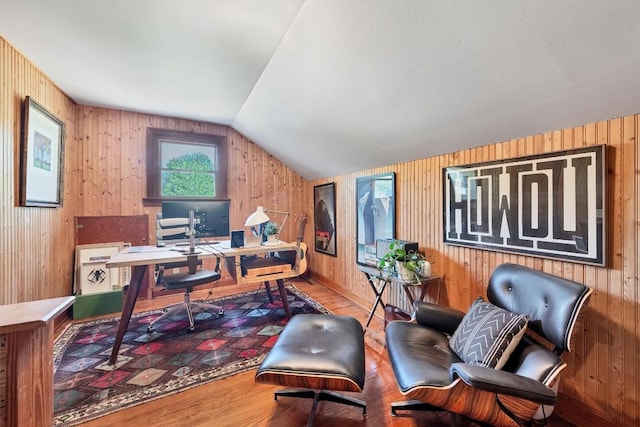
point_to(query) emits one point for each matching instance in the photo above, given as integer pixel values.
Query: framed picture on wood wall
(42, 160)
(375, 216)
(324, 215)
(550, 205)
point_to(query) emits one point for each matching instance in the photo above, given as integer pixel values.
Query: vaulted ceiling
(336, 86)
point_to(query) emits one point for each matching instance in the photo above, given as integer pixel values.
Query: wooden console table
(26, 361)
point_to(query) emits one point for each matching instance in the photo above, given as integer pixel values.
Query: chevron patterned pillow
(487, 334)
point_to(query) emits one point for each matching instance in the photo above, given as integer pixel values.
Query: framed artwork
(91, 273)
(324, 215)
(375, 216)
(550, 205)
(42, 160)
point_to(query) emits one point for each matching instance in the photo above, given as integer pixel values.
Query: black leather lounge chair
(470, 381)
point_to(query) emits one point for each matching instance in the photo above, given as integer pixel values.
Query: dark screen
(211, 217)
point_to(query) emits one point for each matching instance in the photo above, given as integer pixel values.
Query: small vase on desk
(271, 239)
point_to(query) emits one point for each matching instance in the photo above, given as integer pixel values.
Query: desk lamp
(260, 217)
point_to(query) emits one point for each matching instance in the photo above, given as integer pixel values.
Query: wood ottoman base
(317, 354)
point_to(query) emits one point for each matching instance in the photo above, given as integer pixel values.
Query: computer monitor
(211, 218)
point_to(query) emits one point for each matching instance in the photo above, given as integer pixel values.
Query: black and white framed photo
(324, 216)
(42, 159)
(549, 205)
(375, 216)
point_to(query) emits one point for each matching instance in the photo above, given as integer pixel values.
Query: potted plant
(409, 266)
(271, 230)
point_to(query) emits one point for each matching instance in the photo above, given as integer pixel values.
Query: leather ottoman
(317, 353)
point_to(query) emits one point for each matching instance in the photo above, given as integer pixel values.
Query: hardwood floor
(238, 401)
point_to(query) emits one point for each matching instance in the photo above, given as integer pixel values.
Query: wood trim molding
(580, 414)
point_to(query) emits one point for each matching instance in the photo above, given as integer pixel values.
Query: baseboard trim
(339, 290)
(576, 412)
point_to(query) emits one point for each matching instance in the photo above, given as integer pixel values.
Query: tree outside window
(185, 165)
(188, 170)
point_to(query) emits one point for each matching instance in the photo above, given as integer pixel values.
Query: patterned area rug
(169, 359)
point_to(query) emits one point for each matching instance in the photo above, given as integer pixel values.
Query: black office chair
(187, 280)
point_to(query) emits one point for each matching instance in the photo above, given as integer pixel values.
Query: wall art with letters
(550, 205)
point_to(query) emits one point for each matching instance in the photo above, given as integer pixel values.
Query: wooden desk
(26, 329)
(379, 282)
(140, 257)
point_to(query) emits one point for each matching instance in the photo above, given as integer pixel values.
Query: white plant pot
(425, 269)
(272, 238)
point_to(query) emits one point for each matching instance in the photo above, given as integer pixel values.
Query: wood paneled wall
(602, 379)
(105, 175)
(111, 159)
(36, 244)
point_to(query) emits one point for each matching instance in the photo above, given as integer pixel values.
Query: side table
(422, 285)
(378, 283)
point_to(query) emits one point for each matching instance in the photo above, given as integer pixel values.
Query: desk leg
(378, 300)
(267, 287)
(137, 275)
(283, 295)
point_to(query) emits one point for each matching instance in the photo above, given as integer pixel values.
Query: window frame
(154, 173)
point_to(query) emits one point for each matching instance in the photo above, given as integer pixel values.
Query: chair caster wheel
(191, 330)
(149, 329)
(221, 313)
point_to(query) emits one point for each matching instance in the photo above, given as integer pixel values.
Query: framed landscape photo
(375, 216)
(324, 214)
(42, 160)
(550, 205)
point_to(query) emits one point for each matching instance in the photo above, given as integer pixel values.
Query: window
(185, 165)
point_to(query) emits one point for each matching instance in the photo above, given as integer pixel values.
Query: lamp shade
(258, 217)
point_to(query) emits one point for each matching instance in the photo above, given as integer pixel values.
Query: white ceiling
(336, 86)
